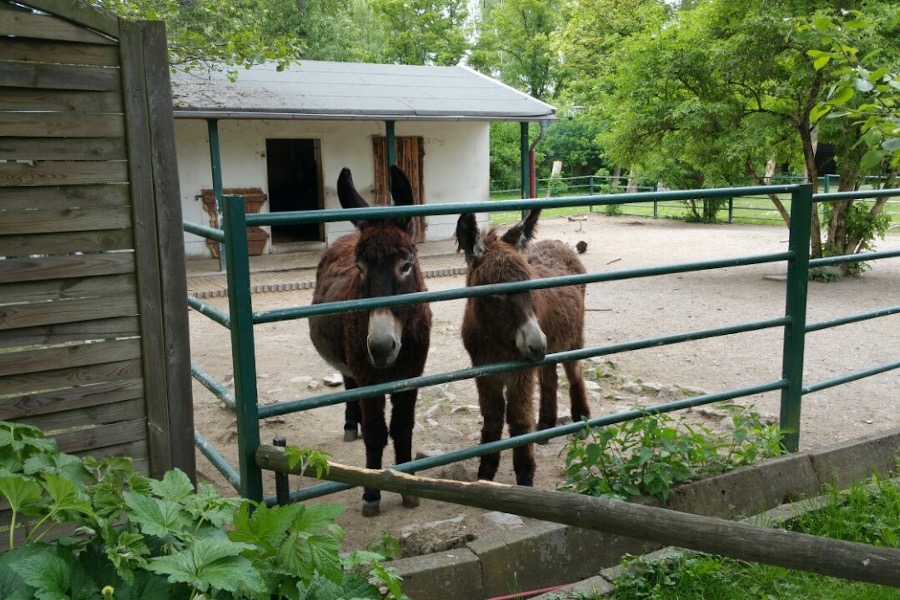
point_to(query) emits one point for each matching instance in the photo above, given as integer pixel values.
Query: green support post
(243, 347)
(215, 160)
(390, 140)
(526, 171)
(795, 309)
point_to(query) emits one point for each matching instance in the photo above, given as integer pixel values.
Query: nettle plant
(650, 455)
(85, 528)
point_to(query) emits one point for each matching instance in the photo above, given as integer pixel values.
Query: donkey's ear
(468, 238)
(348, 195)
(402, 193)
(520, 234)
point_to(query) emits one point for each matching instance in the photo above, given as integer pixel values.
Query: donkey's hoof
(371, 508)
(350, 435)
(411, 501)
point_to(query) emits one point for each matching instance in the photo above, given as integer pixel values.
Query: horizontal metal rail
(208, 310)
(315, 310)
(856, 195)
(540, 436)
(283, 408)
(852, 258)
(854, 376)
(455, 208)
(217, 389)
(210, 233)
(218, 461)
(855, 318)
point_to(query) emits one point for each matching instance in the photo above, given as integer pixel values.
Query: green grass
(866, 514)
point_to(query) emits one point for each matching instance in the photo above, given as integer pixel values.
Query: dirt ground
(448, 418)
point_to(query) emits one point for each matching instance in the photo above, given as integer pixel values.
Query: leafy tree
(423, 32)
(513, 45)
(210, 33)
(334, 30)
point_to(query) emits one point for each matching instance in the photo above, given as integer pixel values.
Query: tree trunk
(751, 173)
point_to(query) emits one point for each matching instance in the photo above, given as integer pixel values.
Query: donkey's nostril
(383, 351)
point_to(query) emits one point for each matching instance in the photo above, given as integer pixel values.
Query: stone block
(854, 461)
(451, 575)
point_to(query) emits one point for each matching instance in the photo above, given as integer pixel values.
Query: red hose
(530, 594)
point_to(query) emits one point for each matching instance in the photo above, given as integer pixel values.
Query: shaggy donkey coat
(523, 325)
(380, 345)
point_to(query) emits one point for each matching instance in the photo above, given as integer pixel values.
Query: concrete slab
(854, 461)
(450, 575)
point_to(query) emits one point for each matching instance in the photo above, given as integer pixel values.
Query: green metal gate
(240, 320)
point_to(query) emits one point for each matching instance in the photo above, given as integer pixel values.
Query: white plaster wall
(456, 163)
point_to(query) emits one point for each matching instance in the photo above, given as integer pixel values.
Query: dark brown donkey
(375, 346)
(528, 324)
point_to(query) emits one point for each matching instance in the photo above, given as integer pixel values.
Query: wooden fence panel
(93, 314)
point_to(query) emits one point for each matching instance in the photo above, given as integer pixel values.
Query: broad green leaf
(156, 517)
(357, 586)
(175, 486)
(313, 518)
(47, 573)
(266, 527)
(891, 144)
(65, 496)
(863, 85)
(24, 495)
(305, 555)
(821, 61)
(207, 556)
(842, 95)
(871, 160)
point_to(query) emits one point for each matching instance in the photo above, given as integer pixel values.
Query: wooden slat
(90, 439)
(65, 243)
(61, 125)
(87, 416)
(65, 333)
(81, 13)
(39, 314)
(62, 267)
(28, 383)
(42, 76)
(22, 408)
(72, 288)
(47, 27)
(159, 246)
(69, 53)
(57, 197)
(136, 451)
(66, 219)
(63, 173)
(61, 100)
(67, 357)
(21, 148)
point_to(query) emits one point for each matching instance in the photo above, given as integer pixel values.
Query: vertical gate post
(243, 353)
(215, 161)
(795, 309)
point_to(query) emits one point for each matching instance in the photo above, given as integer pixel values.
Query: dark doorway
(294, 184)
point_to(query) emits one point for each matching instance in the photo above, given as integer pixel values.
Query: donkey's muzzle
(531, 341)
(383, 341)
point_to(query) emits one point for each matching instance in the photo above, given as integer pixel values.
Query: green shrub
(96, 528)
(647, 456)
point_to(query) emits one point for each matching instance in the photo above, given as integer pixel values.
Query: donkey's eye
(406, 268)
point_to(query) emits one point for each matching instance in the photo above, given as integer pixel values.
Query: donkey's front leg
(490, 399)
(403, 419)
(375, 436)
(520, 417)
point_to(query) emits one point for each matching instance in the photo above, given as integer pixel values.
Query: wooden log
(836, 558)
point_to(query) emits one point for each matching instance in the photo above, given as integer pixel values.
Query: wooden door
(410, 152)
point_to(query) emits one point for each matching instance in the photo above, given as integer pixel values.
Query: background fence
(241, 319)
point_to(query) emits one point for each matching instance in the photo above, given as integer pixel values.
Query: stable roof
(335, 90)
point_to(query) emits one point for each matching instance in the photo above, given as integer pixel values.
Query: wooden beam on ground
(836, 558)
